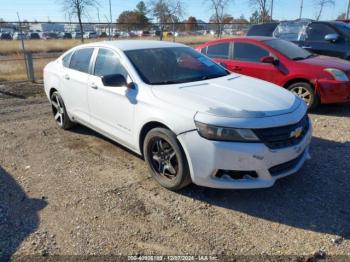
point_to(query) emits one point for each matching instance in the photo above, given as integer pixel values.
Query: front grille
(285, 167)
(281, 137)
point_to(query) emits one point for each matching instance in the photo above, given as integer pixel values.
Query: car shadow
(18, 215)
(86, 131)
(340, 110)
(316, 198)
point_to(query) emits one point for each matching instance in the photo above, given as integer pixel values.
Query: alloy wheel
(164, 160)
(57, 109)
(303, 93)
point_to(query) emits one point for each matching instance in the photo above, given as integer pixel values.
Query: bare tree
(78, 8)
(322, 4)
(219, 7)
(166, 11)
(262, 6)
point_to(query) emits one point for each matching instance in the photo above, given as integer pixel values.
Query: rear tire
(306, 92)
(166, 159)
(59, 111)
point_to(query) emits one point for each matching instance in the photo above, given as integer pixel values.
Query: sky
(44, 10)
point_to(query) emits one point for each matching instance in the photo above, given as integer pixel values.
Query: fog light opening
(236, 175)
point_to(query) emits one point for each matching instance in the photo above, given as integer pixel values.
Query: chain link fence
(45, 41)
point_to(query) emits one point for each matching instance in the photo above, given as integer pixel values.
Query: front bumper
(206, 158)
(332, 91)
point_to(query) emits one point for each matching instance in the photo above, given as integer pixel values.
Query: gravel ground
(77, 193)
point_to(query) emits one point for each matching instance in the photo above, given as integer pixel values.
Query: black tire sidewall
(182, 179)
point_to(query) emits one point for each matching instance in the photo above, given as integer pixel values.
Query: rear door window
(66, 59)
(80, 60)
(220, 51)
(248, 52)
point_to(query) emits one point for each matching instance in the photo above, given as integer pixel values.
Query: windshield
(291, 30)
(288, 49)
(161, 66)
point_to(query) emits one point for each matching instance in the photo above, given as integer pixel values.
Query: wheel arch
(52, 89)
(146, 128)
(296, 80)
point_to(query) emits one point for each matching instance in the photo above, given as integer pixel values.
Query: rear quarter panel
(52, 72)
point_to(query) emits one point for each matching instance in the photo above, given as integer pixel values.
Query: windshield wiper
(211, 77)
(303, 58)
(168, 82)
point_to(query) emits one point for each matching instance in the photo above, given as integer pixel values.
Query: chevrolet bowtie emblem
(297, 132)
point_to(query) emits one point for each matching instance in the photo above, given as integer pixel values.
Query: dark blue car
(331, 38)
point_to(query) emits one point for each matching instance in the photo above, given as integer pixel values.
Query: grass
(15, 69)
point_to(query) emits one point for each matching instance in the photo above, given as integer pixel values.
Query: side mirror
(331, 38)
(114, 80)
(269, 60)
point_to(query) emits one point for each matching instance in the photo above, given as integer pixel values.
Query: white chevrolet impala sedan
(189, 118)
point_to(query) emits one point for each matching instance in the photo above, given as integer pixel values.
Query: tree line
(166, 12)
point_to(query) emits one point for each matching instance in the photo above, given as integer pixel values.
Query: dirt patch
(77, 193)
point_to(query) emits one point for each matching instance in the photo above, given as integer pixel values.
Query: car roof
(125, 45)
(246, 38)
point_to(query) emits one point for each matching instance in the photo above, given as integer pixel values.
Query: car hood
(328, 62)
(234, 96)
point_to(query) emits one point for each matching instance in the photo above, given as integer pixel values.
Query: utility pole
(272, 10)
(22, 40)
(348, 10)
(301, 8)
(110, 18)
(98, 14)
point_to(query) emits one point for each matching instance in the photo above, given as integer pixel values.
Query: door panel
(316, 43)
(111, 108)
(246, 61)
(74, 84)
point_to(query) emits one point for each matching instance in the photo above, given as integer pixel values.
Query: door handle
(93, 85)
(306, 47)
(66, 77)
(237, 68)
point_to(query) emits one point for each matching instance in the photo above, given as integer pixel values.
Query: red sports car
(316, 79)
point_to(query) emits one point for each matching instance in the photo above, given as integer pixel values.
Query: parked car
(19, 36)
(49, 35)
(65, 35)
(189, 118)
(143, 33)
(262, 29)
(76, 35)
(155, 32)
(102, 35)
(315, 79)
(33, 35)
(5, 36)
(330, 38)
(90, 35)
(347, 21)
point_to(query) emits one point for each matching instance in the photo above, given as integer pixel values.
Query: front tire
(165, 159)
(306, 92)
(59, 111)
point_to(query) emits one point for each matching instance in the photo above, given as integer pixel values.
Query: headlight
(225, 133)
(337, 74)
